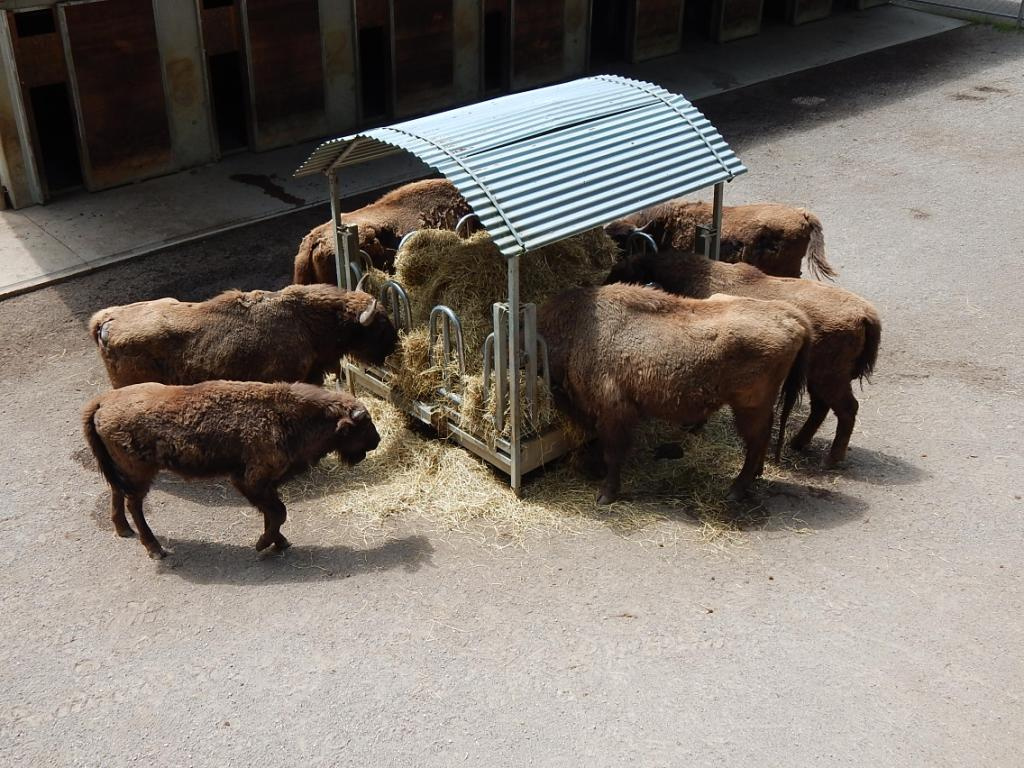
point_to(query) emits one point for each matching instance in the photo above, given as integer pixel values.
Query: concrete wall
(340, 92)
(188, 103)
(467, 19)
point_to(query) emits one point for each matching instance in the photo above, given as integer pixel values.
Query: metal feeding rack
(535, 167)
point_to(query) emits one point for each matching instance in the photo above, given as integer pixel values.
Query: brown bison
(621, 353)
(259, 435)
(774, 238)
(434, 203)
(296, 334)
(847, 330)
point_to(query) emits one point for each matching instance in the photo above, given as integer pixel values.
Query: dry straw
(670, 475)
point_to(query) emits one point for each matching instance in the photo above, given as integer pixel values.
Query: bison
(621, 353)
(847, 329)
(774, 238)
(259, 435)
(296, 334)
(434, 203)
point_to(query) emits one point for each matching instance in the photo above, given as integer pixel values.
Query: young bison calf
(296, 334)
(847, 330)
(774, 238)
(259, 435)
(622, 353)
(433, 203)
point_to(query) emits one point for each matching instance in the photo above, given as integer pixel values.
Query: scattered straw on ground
(414, 476)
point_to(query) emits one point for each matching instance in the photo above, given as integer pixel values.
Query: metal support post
(716, 235)
(513, 368)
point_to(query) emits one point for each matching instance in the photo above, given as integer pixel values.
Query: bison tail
(792, 388)
(816, 261)
(108, 467)
(864, 365)
(303, 271)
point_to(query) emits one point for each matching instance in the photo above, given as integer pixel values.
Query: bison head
(619, 231)
(355, 435)
(374, 337)
(380, 244)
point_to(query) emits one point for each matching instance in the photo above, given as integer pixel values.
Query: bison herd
(232, 386)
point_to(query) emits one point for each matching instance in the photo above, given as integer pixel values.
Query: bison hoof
(282, 543)
(737, 493)
(833, 463)
(263, 542)
(124, 533)
(605, 498)
(159, 553)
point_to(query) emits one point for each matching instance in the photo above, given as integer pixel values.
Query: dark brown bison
(774, 238)
(434, 203)
(296, 334)
(847, 329)
(259, 435)
(622, 353)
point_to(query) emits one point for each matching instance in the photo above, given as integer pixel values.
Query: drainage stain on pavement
(276, 191)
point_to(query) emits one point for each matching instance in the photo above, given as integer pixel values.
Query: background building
(97, 93)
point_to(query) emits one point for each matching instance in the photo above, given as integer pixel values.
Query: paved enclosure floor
(875, 623)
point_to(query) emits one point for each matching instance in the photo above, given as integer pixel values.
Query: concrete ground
(878, 623)
(72, 235)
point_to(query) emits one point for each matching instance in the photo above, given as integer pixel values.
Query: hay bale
(473, 416)
(470, 275)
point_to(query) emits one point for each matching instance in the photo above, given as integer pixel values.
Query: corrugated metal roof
(543, 165)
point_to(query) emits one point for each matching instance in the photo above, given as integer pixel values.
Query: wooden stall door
(658, 28)
(119, 91)
(287, 74)
(424, 55)
(737, 18)
(538, 39)
(809, 10)
(46, 94)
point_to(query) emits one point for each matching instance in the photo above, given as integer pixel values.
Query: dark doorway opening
(496, 49)
(57, 142)
(227, 90)
(611, 29)
(697, 22)
(775, 12)
(375, 71)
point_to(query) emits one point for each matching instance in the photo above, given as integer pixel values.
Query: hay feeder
(536, 168)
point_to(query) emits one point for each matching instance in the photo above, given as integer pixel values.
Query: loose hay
(414, 476)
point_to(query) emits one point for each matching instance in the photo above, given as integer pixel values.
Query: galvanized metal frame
(515, 344)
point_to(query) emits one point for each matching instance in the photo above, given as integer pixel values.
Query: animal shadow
(210, 562)
(862, 465)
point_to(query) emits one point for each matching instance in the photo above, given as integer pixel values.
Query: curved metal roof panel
(543, 165)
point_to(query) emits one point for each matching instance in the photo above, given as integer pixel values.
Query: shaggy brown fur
(847, 329)
(433, 203)
(774, 238)
(259, 435)
(621, 353)
(296, 334)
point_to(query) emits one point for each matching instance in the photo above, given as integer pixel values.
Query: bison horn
(366, 317)
(359, 414)
(359, 285)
